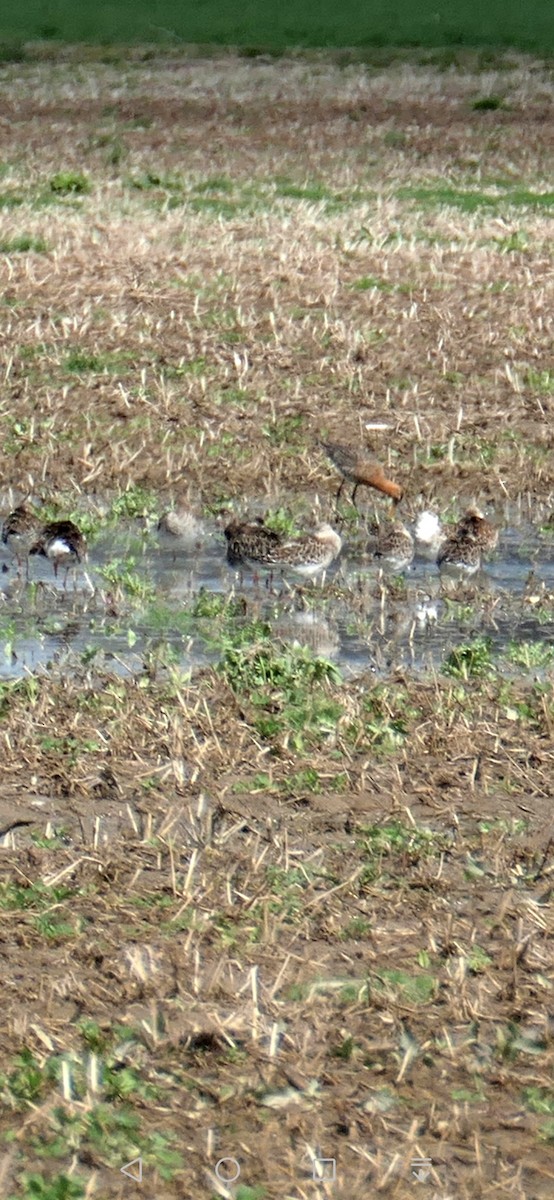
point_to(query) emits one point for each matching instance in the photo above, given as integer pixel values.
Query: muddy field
(263, 911)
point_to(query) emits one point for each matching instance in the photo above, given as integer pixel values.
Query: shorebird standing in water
(180, 529)
(394, 546)
(63, 544)
(359, 470)
(475, 526)
(461, 549)
(19, 532)
(310, 554)
(459, 555)
(250, 544)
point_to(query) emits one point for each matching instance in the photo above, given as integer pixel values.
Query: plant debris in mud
(221, 886)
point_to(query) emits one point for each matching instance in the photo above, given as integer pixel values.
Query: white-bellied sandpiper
(309, 554)
(63, 544)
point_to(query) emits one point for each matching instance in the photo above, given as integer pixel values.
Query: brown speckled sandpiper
(461, 548)
(250, 543)
(310, 554)
(180, 529)
(475, 526)
(394, 546)
(19, 532)
(459, 553)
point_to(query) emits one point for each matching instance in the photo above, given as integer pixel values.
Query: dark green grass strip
(266, 25)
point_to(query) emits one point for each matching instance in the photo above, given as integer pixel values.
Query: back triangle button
(133, 1169)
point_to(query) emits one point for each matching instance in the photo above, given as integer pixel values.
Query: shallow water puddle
(155, 601)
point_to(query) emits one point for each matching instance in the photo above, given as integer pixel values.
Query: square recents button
(324, 1170)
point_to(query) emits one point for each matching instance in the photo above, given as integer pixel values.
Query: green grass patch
(135, 501)
(113, 1133)
(414, 987)
(36, 1186)
(215, 183)
(289, 689)
(22, 245)
(69, 183)
(530, 655)
(539, 1100)
(314, 192)
(122, 576)
(471, 660)
(470, 201)
(394, 846)
(152, 181)
(541, 381)
(367, 282)
(285, 432)
(36, 897)
(384, 721)
(10, 200)
(488, 103)
(287, 888)
(244, 1192)
(79, 362)
(111, 1128)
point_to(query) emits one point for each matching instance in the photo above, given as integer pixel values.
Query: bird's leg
(89, 582)
(356, 486)
(339, 493)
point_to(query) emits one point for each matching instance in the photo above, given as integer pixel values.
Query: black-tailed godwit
(355, 467)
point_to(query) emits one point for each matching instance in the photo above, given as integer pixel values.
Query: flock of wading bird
(253, 544)
(459, 550)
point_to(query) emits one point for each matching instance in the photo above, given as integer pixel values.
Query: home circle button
(227, 1170)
